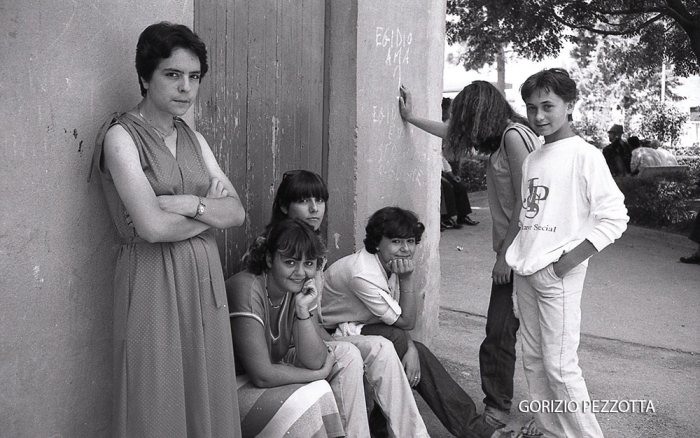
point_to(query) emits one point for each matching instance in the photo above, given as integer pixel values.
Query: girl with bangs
(296, 384)
(303, 195)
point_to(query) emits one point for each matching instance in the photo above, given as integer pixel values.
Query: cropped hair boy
(571, 209)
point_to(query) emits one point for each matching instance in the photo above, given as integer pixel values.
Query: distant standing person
(695, 237)
(481, 118)
(571, 210)
(618, 153)
(166, 194)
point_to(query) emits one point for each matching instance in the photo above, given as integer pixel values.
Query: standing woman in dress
(482, 119)
(166, 193)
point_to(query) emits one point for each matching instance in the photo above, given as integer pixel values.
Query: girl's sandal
(529, 430)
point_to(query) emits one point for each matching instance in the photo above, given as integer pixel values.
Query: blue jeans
(497, 352)
(448, 401)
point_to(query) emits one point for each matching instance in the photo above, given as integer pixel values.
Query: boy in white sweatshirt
(571, 209)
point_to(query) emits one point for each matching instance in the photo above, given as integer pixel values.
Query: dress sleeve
(246, 293)
(377, 300)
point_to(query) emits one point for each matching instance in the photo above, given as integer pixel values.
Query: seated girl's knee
(346, 353)
(383, 343)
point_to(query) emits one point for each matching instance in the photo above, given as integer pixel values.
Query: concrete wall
(374, 47)
(65, 67)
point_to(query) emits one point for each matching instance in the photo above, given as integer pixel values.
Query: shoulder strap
(524, 132)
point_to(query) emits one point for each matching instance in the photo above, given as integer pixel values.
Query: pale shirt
(667, 158)
(648, 157)
(446, 165)
(569, 196)
(357, 290)
(644, 157)
(502, 198)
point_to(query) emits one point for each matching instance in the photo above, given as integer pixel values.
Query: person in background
(652, 156)
(455, 195)
(634, 142)
(456, 199)
(483, 120)
(276, 341)
(618, 153)
(695, 237)
(666, 157)
(166, 194)
(571, 209)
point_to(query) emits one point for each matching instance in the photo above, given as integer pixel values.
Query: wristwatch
(200, 208)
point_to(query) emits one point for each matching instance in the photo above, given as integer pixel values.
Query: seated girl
(303, 195)
(371, 292)
(277, 344)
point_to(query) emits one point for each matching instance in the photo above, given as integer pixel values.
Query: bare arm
(517, 152)
(573, 258)
(250, 346)
(411, 362)
(152, 223)
(404, 269)
(407, 320)
(436, 128)
(323, 333)
(311, 349)
(223, 206)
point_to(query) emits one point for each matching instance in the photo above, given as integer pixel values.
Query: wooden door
(261, 106)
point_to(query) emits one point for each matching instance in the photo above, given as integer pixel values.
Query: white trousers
(550, 326)
(385, 375)
(348, 388)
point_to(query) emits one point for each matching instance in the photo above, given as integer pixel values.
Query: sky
(455, 77)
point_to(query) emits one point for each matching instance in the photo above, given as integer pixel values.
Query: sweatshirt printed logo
(535, 194)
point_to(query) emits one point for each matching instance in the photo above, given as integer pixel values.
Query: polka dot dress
(174, 371)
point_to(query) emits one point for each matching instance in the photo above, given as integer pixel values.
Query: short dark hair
(158, 41)
(555, 80)
(634, 142)
(479, 116)
(296, 185)
(392, 222)
(291, 238)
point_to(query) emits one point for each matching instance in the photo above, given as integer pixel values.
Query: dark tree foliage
(537, 28)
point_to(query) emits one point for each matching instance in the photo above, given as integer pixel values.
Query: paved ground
(640, 328)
